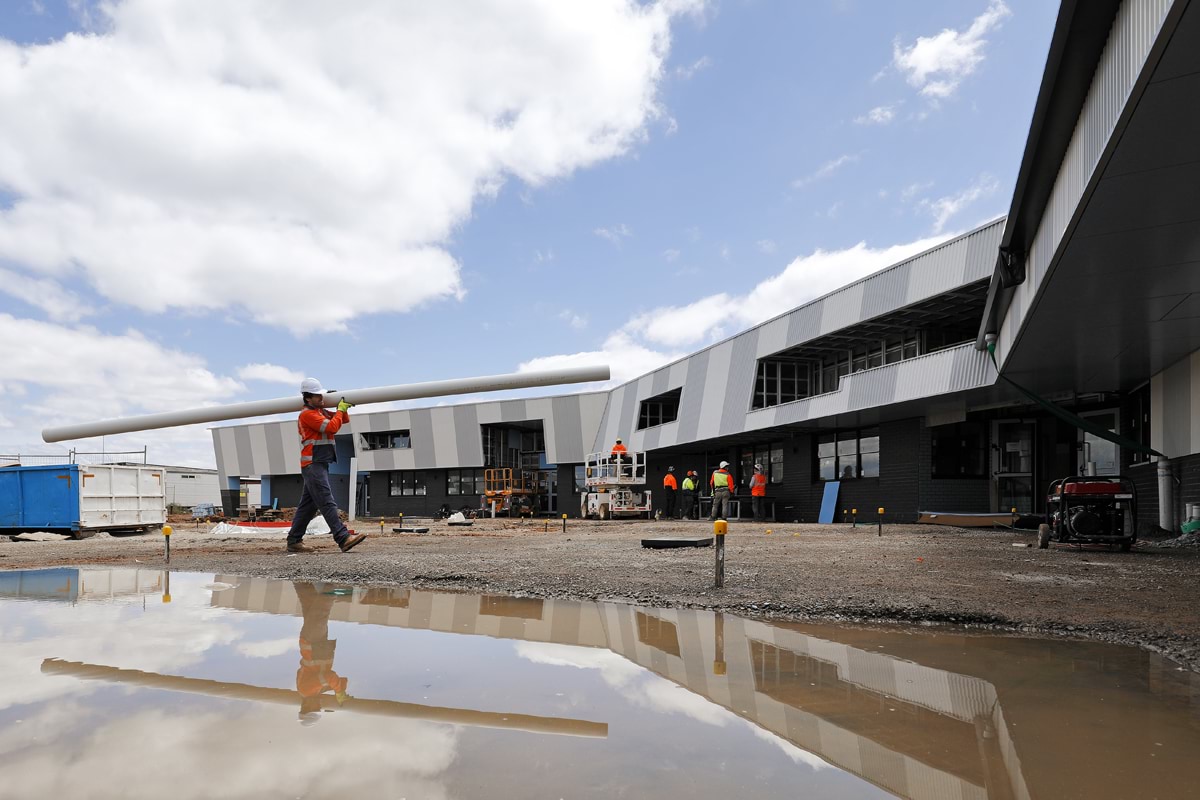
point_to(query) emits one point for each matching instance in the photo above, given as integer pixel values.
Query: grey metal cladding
(610, 422)
(219, 454)
(568, 428)
(513, 411)
(886, 291)
(245, 451)
(969, 368)
(421, 431)
(875, 387)
(804, 324)
(629, 407)
(982, 247)
(276, 455)
(661, 382)
(650, 437)
(742, 364)
(693, 397)
(467, 435)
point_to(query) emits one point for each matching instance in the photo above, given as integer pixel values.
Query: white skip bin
(112, 496)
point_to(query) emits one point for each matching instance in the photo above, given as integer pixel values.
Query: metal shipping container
(77, 497)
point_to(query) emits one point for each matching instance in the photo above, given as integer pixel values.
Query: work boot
(300, 547)
(351, 541)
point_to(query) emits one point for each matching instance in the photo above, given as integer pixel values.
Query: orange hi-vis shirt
(317, 426)
(669, 481)
(758, 485)
(619, 449)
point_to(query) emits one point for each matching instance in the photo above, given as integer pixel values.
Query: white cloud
(686, 72)
(936, 65)
(59, 304)
(767, 246)
(543, 256)
(325, 151)
(268, 648)
(913, 189)
(880, 115)
(576, 321)
(614, 234)
(671, 254)
(946, 207)
(825, 170)
(80, 374)
(656, 337)
(270, 373)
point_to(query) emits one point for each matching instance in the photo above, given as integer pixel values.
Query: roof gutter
(1080, 35)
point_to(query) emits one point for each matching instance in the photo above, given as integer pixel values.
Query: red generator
(1090, 510)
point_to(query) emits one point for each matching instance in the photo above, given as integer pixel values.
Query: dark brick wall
(382, 504)
(966, 495)
(1145, 481)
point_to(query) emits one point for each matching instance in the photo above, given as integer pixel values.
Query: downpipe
(1166, 497)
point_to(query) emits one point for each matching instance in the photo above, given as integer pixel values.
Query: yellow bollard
(564, 523)
(720, 527)
(166, 598)
(880, 511)
(167, 530)
(854, 518)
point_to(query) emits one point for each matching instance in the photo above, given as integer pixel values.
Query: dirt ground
(913, 573)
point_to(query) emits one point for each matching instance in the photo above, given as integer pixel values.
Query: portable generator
(1090, 510)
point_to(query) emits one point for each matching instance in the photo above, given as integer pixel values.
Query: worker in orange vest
(619, 455)
(317, 427)
(722, 487)
(315, 675)
(670, 490)
(758, 493)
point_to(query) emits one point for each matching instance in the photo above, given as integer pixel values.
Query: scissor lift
(613, 486)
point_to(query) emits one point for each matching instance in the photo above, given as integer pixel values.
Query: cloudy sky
(204, 202)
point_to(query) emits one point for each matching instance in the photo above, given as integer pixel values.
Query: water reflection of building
(73, 585)
(914, 730)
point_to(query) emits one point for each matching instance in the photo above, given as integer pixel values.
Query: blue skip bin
(75, 498)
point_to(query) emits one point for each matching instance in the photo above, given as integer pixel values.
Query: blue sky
(201, 202)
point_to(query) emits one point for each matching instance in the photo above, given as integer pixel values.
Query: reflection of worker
(691, 488)
(670, 490)
(758, 493)
(317, 427)
(316, 675)
(848, 472)
(722, 487)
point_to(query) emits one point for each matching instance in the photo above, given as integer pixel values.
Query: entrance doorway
(1099, 456)
(550, 481)
(1012, 465)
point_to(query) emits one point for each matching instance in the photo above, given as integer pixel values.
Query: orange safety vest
(316, 676)
(758, 485)
(721, 480)
(669, 481)
(317, 426)
(619, 449)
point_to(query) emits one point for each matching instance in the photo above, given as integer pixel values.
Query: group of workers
(723, 488)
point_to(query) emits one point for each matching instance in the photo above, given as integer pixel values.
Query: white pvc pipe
(1166, 496)
(285, 405)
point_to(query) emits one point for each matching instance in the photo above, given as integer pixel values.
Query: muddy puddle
(141, 683)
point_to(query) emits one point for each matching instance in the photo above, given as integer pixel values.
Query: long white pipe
(284, 405)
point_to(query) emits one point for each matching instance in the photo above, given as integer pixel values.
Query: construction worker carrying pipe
(317, 427)
(722, 487)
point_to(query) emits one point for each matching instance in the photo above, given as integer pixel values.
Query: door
(1099, 456)
(1012, 465)
(551, 483)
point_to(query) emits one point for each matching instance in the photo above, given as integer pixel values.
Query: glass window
(776, 464)
(580, 479)
(454, 482)
(406, 484)
(827, 468)
(847, 455)
(870, 465)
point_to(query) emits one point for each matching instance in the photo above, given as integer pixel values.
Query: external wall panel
(467, 438)
(445, 448)
(840, 309)
(566, 414)
(692, 398)
(713, 406)
(773, 336)
(879, 295)
(742, 363)
(421, 430)
(1134, 31)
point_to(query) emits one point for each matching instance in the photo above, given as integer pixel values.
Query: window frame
(844, 450)
(408, 483)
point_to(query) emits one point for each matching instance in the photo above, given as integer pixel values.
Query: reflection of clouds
(269, 648)
(255, 751)
(636, 684)
(796, 754)
(156, 639)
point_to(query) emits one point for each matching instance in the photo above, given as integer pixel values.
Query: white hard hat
(311, 386)
(724, 464)
(758, 467)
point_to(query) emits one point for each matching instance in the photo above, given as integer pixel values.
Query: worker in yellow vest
(691, 487)
(722, 487)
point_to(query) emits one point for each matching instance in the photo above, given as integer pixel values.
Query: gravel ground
(913, 573)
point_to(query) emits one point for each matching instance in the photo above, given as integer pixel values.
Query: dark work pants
(720, 507)
(316, 498)
(669, 501)
(689, 505)
(759, 503)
